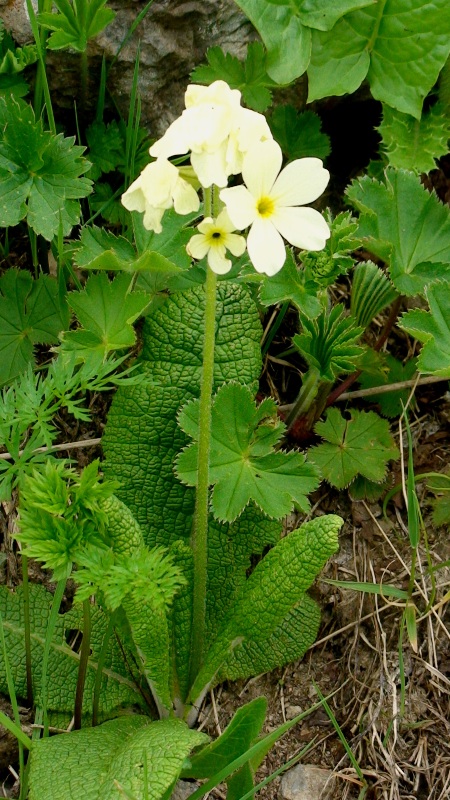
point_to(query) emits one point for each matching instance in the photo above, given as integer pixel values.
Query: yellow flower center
(215, 237)
(265, 207)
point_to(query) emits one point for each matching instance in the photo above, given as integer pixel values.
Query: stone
(184, 789)
(305, 782)
(173, 37)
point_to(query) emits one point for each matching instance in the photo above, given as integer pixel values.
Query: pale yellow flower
(159, 187)
(216, 130)
(214, 239)
(269, 204)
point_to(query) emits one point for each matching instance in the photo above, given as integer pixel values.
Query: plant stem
(200, 528)
(82, 667)
(27, 629)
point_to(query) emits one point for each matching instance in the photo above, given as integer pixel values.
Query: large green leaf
(118, 688)
(272, 596)
(406, 226)
(127, 757)
(244, 464)
(433, 329)
(285, 28)
(31, 312)
(400, 46)
(40, 174)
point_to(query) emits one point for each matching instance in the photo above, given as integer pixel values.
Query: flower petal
(265, 247)
(152, 218)
(302, 181)
(185, 198)
(217, 261)
(240, 205)
(133, 199)
(235, 244)
(211, 167)
(261, 166)
(302, 227)
(198, 246)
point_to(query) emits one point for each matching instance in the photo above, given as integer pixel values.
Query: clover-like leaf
(249, 76)
(433, 329)
(285, 28)
(329, 343)
(77, 22)
(106, 311)
(39, 173)
(415, 144)
(106, 147)
(406, 226)
(361, 445)
(299, 134)
(31, 312)
(400, 46)
(290, 284)
(244, 465)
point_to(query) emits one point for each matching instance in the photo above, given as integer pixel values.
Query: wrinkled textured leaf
(30, 313)
(249, 76)
(285, 26)
(40, 174)
(400, 46)
(122, 758)
(105, 311)
(361, 445)
(433, 329)
(415, 144)
(273, 595)
(142, 439)
(299, 134)
(243, 463)
(406, 226)
(118, 688)
(290, 284)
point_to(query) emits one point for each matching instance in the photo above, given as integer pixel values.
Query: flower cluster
(225, 139)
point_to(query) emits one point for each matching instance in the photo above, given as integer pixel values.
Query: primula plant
(173, 546)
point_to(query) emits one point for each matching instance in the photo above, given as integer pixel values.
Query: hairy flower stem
(199, 539)
(82, 667)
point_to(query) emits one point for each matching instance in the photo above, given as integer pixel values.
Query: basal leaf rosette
(244, 465)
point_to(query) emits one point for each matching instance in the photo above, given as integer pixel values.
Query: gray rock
(304, 782)
(173, 37)
(184, 789)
